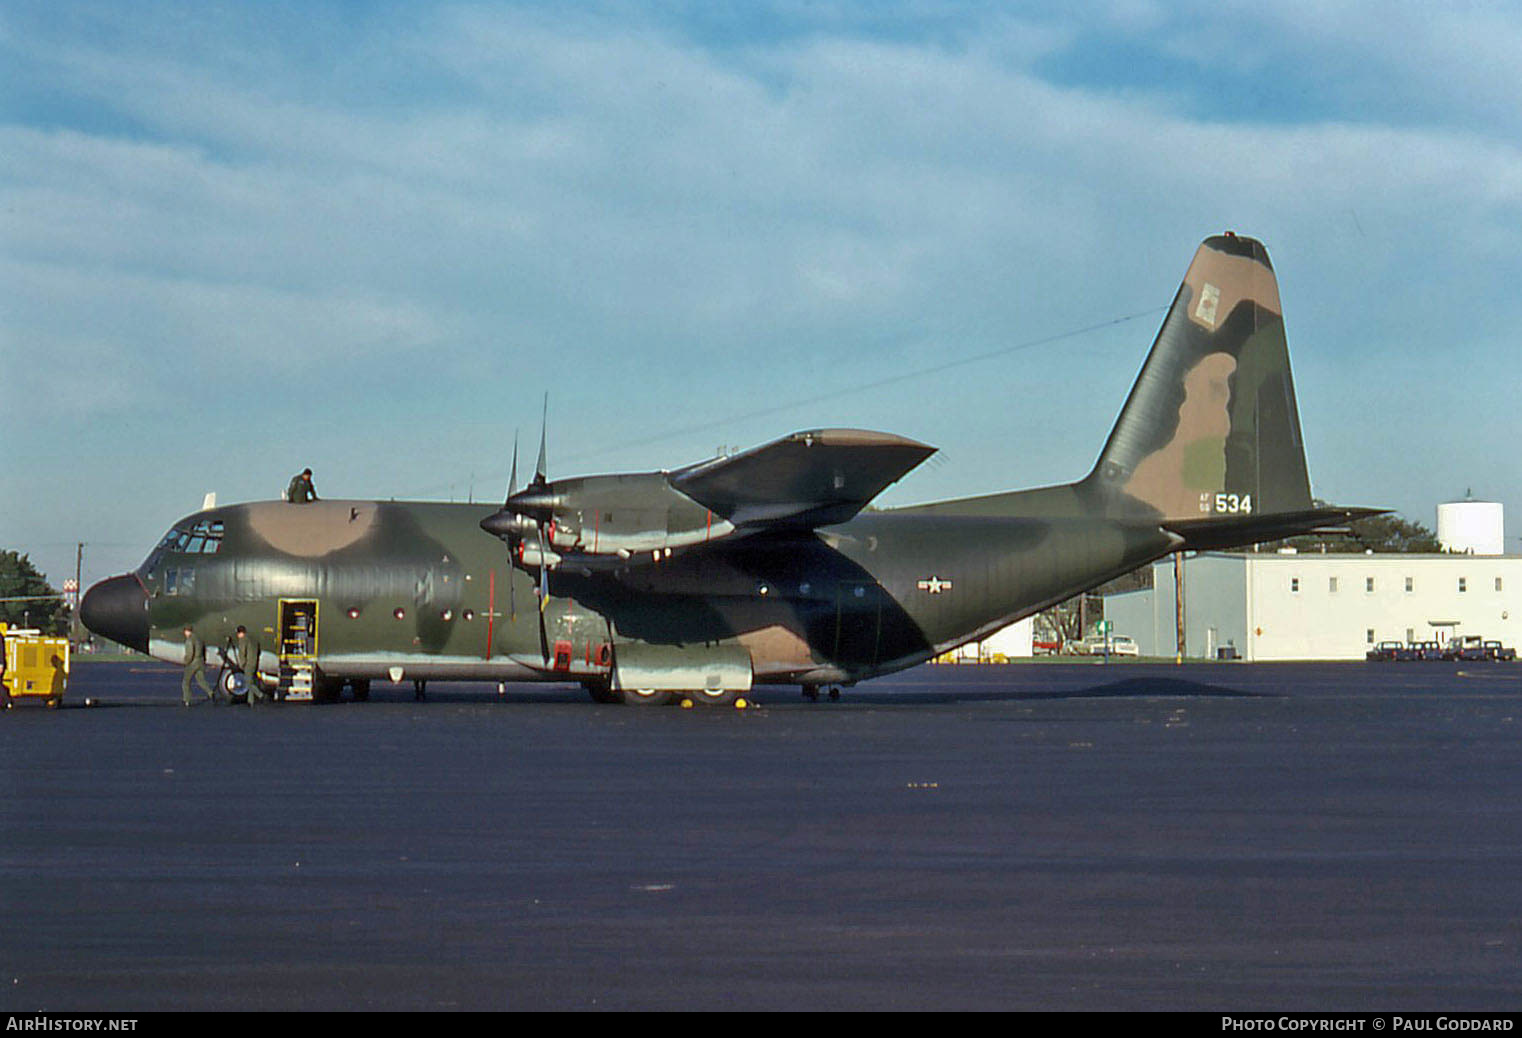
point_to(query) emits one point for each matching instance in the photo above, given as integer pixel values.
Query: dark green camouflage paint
(1206, 453)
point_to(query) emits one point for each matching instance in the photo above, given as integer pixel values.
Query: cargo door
(298, 647)
(858, 623)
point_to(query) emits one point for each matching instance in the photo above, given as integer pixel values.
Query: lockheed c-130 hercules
(757, 568)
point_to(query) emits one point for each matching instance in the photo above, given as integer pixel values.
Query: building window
(1331, 584)
(1463, 585)
(1294, 585)
(1498, 583)
(1368, 583)
(1408, 583)
(1369, 636)
(1410, 636)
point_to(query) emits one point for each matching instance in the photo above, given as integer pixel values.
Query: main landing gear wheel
(601, 693)
(716, 696)
(646, 697)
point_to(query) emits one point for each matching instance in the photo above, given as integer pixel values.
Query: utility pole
(79, 565)
(1178, 604)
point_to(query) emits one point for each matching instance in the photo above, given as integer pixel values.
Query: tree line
(26, 598)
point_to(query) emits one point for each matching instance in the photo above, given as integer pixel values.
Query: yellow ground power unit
(36, 666)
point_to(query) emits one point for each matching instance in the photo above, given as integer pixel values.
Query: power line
(862, 387)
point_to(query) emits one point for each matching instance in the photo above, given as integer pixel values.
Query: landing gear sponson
(602, 693)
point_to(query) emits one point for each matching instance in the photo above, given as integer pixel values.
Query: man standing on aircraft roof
(300, 490)
(195, 667)
(248, 649)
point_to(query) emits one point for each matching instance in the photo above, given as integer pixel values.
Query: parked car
(1120, 645)
(1384, 652)
(1469, 647)
(1429, 650)
(1498, 653)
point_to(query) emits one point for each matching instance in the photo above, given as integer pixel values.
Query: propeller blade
(504, 523)
(544, 573)
(544, 592)
(541, 470)
(512, 480)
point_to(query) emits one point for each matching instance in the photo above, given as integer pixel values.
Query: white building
(1012, 642)
(1322, 606)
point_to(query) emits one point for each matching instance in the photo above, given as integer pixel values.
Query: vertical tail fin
(1211, 426)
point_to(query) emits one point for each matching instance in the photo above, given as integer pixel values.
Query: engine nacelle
(531, 557)
(602, 520)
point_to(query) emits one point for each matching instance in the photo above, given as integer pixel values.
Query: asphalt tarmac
(1227, 837)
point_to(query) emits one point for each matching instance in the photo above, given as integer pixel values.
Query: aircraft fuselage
(419, 590)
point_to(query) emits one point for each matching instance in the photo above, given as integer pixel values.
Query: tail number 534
(1226, 504)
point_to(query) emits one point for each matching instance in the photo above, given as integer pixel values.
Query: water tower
(1471, 527)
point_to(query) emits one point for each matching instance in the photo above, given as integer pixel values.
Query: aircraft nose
(117, 608)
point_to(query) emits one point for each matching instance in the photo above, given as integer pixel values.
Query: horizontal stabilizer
(1218, 532)
(807, 479)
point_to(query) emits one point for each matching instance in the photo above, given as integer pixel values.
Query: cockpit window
(179, 581)
(202, 537)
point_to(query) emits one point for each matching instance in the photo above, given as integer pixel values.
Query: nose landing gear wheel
(233, 685)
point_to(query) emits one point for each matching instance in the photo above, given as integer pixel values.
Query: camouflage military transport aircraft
(760, 567)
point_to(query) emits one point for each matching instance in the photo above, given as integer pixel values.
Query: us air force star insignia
(935, 585)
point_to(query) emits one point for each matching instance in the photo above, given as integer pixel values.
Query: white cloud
(618, 212)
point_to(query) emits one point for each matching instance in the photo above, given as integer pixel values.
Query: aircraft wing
(807, 479)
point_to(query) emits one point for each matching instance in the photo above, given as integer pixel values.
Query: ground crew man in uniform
(248, 649)
(300, 490)
(195, 667)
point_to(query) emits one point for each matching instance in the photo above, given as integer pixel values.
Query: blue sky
(240, 239)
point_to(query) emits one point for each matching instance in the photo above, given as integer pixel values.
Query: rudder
(1211, 427)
